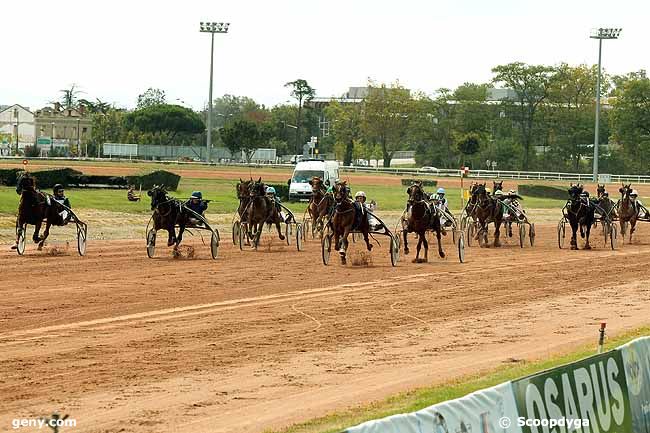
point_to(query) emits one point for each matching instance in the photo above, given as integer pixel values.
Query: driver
(60, 198)
(360, 197)
(441, 203)
(196, 204)
(642, 211)
(270, 193)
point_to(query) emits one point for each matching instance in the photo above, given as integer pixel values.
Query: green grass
(424, 397)
(222, 192)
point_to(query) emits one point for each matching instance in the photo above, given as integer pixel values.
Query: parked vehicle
(299, 187)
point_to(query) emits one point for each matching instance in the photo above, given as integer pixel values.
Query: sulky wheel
(236, 228)
(151, 243)
(561, 231)
(20, 237)
(214, 245)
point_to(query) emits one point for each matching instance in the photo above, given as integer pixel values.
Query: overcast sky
(114, 50)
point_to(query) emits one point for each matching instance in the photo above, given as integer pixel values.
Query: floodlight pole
(602, 33)
(212, 28)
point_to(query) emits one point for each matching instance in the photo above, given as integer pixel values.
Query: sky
(115, 50)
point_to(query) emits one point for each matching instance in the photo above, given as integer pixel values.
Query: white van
(299, 187)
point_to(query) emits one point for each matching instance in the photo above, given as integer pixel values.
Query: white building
(16, 121)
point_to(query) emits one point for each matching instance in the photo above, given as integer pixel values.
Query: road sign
(43, 141)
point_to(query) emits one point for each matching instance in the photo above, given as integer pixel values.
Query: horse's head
(341, 191)
(575, 191)
(600, 190)
(257, 188)
(479, 193)
(316, 184)
(415, 192)
(625, 190)
(242, 188)
(158, 196)
(26, 182)
(497, 186)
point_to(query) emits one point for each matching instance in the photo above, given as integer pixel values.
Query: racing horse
(36, 207)
(168, 212)
(605, 206)
(421, 216)
(580, 212)
(243, 195)
(320, 203)
(348, 216)
(487, 210)
(628, 211)
(259, 211)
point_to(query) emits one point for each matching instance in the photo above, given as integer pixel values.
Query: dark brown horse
(259, 211)
(628, 211)
(605, 206)
(168, 212)
(320, 204)
(488, 210)
(36, 207)
(421, 216)
(580, 212)
(243, 195)
(343, 220)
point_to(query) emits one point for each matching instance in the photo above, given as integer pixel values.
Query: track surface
(258, 340)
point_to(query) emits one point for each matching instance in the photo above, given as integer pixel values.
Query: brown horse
(243, 195)
(259, 211)
(34, 208)
(320, 204)
(421, 216)
(605, 207)
(343, 220)
(628, 211)
(488, 210)
(168, 212)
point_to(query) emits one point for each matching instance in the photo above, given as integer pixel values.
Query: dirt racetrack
(258, 340)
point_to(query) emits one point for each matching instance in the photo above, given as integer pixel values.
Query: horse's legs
(497, 233)
(441, 253)
(632, 228)
(37, 231)
(179, 237)
(277, 225)
(574, 230)
(171, 235)
(46, 233)
(406, 242)
(344, 245)
(588, 231)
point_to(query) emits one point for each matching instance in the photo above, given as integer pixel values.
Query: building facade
(63, 128)
(16, 128)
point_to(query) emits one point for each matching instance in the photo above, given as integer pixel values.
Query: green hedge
(9, 176)
(49, 178)
(67, 176)
(544, 191)
(159, 177)
(425, 182)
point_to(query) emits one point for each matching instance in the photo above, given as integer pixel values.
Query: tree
(345, 124)
(469, 144)
(68, 97)
(243, 136)
(531, 84)
(387, 113)
(302, 92)
(165, 121)
(90, 107)
(150, 98)
(631, 121)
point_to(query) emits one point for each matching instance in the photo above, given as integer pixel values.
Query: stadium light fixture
(212, 28)
(600, 34)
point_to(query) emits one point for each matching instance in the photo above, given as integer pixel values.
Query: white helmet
(360, 194)
(634, 192)
(512, 191)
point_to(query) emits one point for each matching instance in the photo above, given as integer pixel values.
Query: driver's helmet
(196, 195)
(498, 192)
(512, 191)
(440, 191)
(360, 194)
(330, 188)
(58, 188)
(634, 193)
(270, 190)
